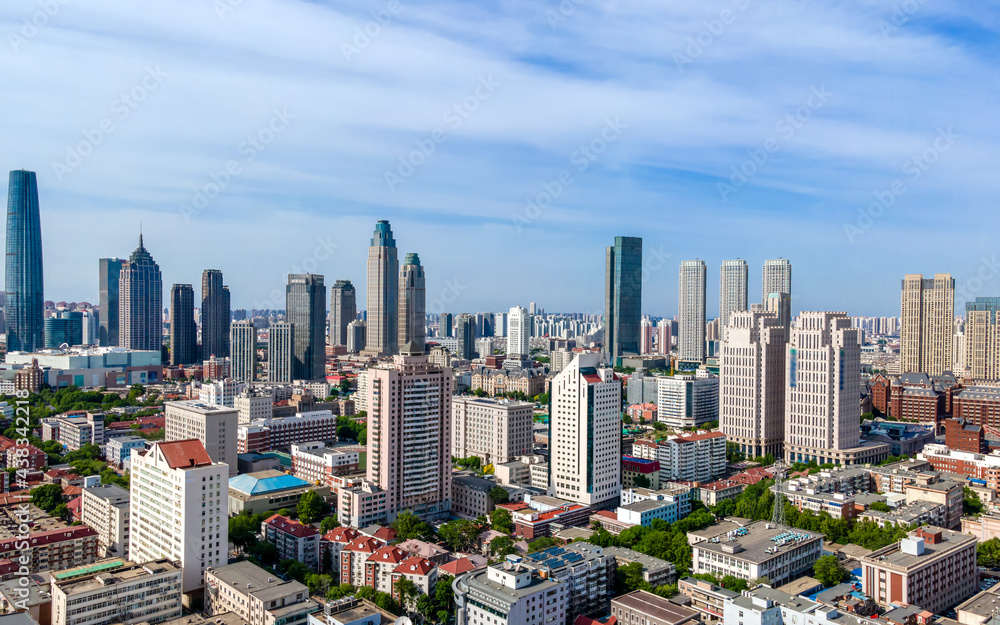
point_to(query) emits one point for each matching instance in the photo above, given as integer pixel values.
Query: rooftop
(757, 542)
(659, 609)
(263, 482)
(184, 454)
(894, 556)
(247, 578)
(108, 492)
(108, 573)
(647, 562)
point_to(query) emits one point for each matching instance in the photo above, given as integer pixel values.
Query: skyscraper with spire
(382, 326)
(412, 305)
(215, 315)
(140, 292)
(24, 285)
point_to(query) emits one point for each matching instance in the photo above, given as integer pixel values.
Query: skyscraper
(279, 352)
(109, 277)
(465, 333)
(305, 309)
(691, 304)
(382, 327)
(447, 324)
(65, 327)
(646, 337)
(243, 343)
(585, 433)
(928, 316)
(140, 293)
(776, 277)
(664, 333)
(622, 297)
(25, 300)
(183, 334)
(343, 310)
(518, 332)
(412, 304)
(215, 315)
(409, 435)
(356, 336)
(733, 277)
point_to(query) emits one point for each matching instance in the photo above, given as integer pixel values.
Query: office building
(24, 301)
(356, 335)
(412, 303)
(932, 567)
(253, 404)
(305, 309)
(780, 304)
(760, 549)
(446, 325)
(518, 332)
(622, 297)
(109, 276)
(752, 383)
(140, 294)
(509, 593)
(105, 508)
(214, 426)
(465, 334)
(183, 333)
(215, 315)
(776, 277)
(585, 433)
(243, 345)
(927, 328)
(496, 431)
(279, 352)
(343, 310)
(691, 305)
(383, 293)
(113, 591)
(733, 279)
(63, 328)
(179, 509)
(980, 339)
(283, 432)
(688, 401)
(315, 462)
(75, 431)
(119, 449)
(409, 435)
(256, 596)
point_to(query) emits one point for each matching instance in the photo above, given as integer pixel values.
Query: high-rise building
(465, 335)
(495, 430)
(691, 304)
(279, 352)
(243, 344)
(215, 315)
(585, 433)
(343, 310)
(382, 327)
(412, 303)
(776, 277)
(981, 339)
(822, 387)
(140, 294)
(215, 426)
(109, 276)
(518, 332)
(733, 278)
(646, 337)
(356, 336)
(65, 327)
(752, 383)
(409, 435)
(780, 304)
(183, 334)
(664, 335)
(959, 350)
(24, 300)
(928, 317)
(622, 297)
(305, 309)
(179, 509)
(447, 325)
(686, 400)
(89, 329)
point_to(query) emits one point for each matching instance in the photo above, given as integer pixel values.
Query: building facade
(216, 315)
(113, 591)
(213, 425)
(926, 331)
(343, 310)
(305, 309)
(382, 324)
(622, 297)
(105, 508)
(691, 306)
(109, 275)
(733, 279)
(496, 431)
(24, 303)
(279, 352)
(243, 346)
(183, 332)
(140, 292)
(412, 304)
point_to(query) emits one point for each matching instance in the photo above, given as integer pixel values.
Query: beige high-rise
(980, 345)
(927, 328)
(732, 290)
(382, 327)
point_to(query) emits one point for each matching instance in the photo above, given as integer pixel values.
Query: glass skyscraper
(183, 343)
(64, 328)
(305, 310)
(412, 305)
(141, 302)
(623, 297)
(215, 315)
(24, 286)
(109, 278)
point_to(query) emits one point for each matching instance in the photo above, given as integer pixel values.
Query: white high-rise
(776, 277)
(585, 433)
(179, 509)
(645, 336)
(214, 426)
(664, 335)
(691, 304)
(243, 347)
(733, 278)
(518, 332)
(279, 352)
(752, 388)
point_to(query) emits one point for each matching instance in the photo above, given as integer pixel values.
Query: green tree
(409, 525)
(326, 562)
(828, 571)
(459, 535)
(502, 521)
(501, 547)
(971, 504)
(407, 592)
(311, 507)
(988, 553)
(47, 497)
(735, 584)
(880, 506)
(295, 569)
(329, 523)
(543, 543)
(499, 494)
(641, 481)
(629, 578)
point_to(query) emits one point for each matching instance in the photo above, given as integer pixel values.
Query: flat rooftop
(248, 578)
(108, 573)
(655, 607)
(756, 539)
(895, 557)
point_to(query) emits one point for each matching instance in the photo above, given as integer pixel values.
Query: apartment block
(254, 595)
(640, 606)
(692, 458)
(52, 550)
(510, 593)
(688, 401)
(116, 591)
(586, 570)
(496, 431)
(283, 432)
(927, 325)
(76, 430)
(105, 508)
(213, 425)
(294, 540)
(253, 404)
(315, 462)
(362, 505)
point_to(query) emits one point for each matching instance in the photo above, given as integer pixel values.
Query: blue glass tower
(623, 297)
(25, 322)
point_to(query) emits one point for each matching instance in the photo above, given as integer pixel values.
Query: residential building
(356, 336)
(105, 508)
(353, 557)
(535, 516)
(643, 470)
(51, 550)
(674, 502)
(927, 329)
(518, 332)
(183, 332)
(75, 431)
(382, 323)
(640, 606)
(981, 339)
(24, 303)
(216, 315)
(119, 449)
(960, 435)
(253, 403)
(470, 496)
(305, 309)
(179, 509)
(412, 304)
(768, 606)
(495, 430)
(585, 569)
(256, 596)
(113, 591)
(109, 271)
(510, 593)
(421, 571)
(140, 302)
(686, 401)
(214, 426)
(806, 494)
(707, 598)
(585, 433)
(733, 279)
(315, 462)
(691, 305)
(221, 392)
(283, 432)
(362, 505)
(343, 310)
(932, 567)
(243, 347)
(622, 297)
(692, 458)
(655, 571)
(664, 336)
(758, 550)
(776, 277)
(294, 540)
(279, 352)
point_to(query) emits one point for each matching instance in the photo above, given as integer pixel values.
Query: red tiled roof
(341, 535)
(389, 553)
(363, 544)
(586, 620)
(514, 507)
(386, 534)
(72, 491)
(288, 526)
(49, 537)
(183, 454)
(700, 437)
(415, 566)
(457, 567)
(607, 513)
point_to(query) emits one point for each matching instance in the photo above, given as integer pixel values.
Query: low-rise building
(707, 598)
(353, 556)
(470, 496)
(640, 606)
(655, 571)
(268, 491)
(644, 512)
(117, 591)
(527, 470)
(75, 430)
(334, 542)
(362, 504)
(294, 540)
(119, 449)
(510, 593)
(52, 550)
(350, 611)
(421, 571)
(757, 550)
(534, 517)
(642, 470)
(676, 496)
(282, 432)
(256, 596)
(586, 570)
(105, 508)
(903, 439)
(379, 568)
(767, 606)
(315, 462)
(807, 495)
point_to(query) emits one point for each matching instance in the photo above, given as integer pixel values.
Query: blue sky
(617, 117)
